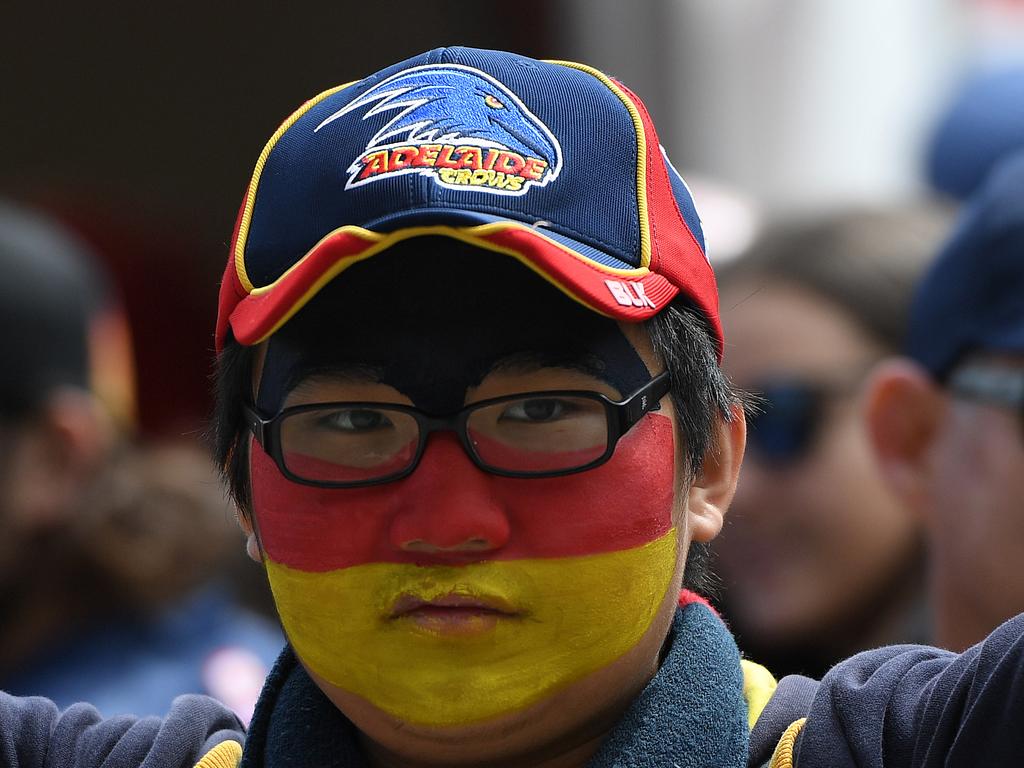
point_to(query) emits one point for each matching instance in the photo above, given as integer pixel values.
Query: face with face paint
(455, 614)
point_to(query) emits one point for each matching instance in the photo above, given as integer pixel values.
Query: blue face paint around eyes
(433, 338)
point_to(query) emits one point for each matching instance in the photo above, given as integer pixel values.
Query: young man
(947, 419)
(459, 459)
(471, 410)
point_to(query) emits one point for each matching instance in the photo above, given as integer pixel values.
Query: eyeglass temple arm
(644, 400)
(257, 424)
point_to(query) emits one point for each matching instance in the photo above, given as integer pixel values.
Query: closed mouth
(452, 605)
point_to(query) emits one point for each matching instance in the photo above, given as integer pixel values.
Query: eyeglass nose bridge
(454, 422)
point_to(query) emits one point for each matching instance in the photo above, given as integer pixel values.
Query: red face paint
(447, 501)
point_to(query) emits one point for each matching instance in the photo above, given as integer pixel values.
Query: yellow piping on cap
(641, 154)
(250, 196)
(475, 235)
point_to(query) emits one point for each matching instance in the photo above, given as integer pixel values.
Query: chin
(568, 718)
(544, 726)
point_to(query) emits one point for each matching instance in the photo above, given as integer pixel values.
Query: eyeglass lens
(539, 434)
(348, 444)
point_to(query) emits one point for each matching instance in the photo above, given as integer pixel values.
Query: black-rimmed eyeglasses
(532, 434)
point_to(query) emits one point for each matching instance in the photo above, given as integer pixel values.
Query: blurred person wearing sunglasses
(480, 439)
(947, 420)
(819, 561)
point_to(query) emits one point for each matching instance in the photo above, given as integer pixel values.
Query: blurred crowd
(880, 500)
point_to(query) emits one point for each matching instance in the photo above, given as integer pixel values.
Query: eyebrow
(531, 362)
(347, 373)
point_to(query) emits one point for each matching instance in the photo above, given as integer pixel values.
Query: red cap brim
(631, 295)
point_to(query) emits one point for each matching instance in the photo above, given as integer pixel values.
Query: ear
(712, 491)
(903, 412)
(253, 548)
(60, 455)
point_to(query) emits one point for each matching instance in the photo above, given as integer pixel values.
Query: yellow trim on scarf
(250, 197)
(758, 687)
(641, 152)
(783, 755)
(227, 754)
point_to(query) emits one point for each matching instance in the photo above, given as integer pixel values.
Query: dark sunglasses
(783, 429)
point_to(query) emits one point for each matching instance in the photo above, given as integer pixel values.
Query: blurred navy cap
(973, 295)
(983, 124)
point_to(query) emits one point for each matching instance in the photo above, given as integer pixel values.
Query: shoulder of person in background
(204, 643)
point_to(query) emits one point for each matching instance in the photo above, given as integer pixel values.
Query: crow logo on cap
(457, 125)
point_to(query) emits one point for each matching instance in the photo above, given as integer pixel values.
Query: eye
(355, 420)
(535, 411)
(492, 102)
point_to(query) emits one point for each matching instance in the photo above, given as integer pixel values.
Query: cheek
(317, 529)
(622, 504)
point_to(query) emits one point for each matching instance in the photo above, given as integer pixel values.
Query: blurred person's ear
(58, 455)
(715, 485)
(903, 410)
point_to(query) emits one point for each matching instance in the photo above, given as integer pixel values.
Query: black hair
(701, 395)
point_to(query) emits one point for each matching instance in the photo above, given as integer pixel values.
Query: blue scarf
(691, 715)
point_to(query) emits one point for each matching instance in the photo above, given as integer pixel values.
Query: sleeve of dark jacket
(35, 734)
(920, 707)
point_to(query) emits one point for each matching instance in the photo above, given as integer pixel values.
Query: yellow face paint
(573, 616)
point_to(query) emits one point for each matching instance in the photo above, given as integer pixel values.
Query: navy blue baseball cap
(982, 126)
(972, 298)
(552, 163)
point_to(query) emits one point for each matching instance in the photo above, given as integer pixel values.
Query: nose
(448, 509)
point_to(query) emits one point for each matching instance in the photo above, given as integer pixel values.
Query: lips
(453, 614)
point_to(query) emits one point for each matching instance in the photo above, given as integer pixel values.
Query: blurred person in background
(819, 560)
(107, 550)
(947, 420)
